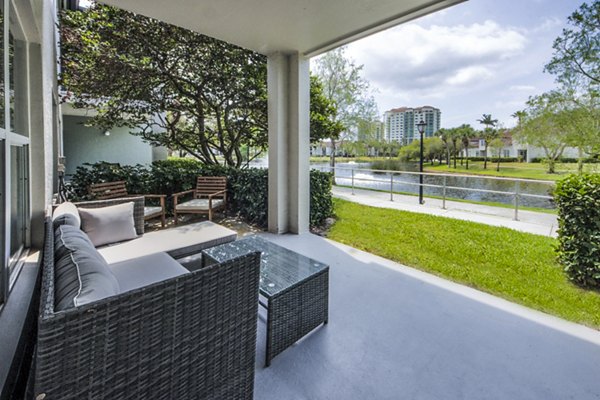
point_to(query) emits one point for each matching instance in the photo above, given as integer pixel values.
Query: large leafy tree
(580, 118)
(348, 90)
(576, 57)
(323, 124)
(543, 123)
(171, 86)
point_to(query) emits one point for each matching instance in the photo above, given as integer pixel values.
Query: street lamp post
(421, 127)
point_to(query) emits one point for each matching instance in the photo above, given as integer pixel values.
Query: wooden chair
(114, 190)
(210, 195)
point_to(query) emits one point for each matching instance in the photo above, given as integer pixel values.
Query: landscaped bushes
(568, 160)
(247, 188)
(248, 193)
(495, 159)
(578, 201)
(321, 202)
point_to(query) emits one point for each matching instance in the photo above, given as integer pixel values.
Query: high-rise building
(400, 123)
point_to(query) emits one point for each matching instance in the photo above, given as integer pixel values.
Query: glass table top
(280, 268)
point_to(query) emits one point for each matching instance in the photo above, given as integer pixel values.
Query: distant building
(512, 148)
(400, 123)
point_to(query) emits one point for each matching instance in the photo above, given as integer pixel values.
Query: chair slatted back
(206, 185)
(108, 190)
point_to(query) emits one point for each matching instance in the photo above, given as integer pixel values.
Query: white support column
(289, 114)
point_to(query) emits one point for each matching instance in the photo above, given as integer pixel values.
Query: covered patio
(398, 333)
(393, 332)
(289, 33)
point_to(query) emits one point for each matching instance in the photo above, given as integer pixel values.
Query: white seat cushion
(152, 210)
(198, 205)
(143, 271)
(178, 242)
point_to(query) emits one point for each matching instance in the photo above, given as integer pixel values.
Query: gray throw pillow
(107, 225)
(66, 213)
(81, 275)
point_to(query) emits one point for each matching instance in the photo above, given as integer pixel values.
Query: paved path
(398, 333)
(529, 221)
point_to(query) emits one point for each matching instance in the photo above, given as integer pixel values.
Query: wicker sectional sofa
(165, 335)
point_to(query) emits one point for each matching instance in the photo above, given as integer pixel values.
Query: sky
(481, 56)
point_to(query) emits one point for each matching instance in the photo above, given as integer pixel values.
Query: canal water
(406, 183)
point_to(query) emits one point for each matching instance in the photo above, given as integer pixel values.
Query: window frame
(11, 263)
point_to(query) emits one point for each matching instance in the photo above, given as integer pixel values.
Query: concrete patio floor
(398, 333)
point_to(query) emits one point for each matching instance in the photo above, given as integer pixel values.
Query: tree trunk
(551, 167)
(332, 161)
(485, 157)
(498, 165)
(580, 161)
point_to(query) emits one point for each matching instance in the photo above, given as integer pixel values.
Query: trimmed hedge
(495, 159)
(578, 201)
(321, 201)
(247, 188)
(568, 160)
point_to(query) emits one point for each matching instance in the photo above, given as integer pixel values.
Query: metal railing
(516, 194)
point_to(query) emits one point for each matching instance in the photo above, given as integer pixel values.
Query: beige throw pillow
(107, 225)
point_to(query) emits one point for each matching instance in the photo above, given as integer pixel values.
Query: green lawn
(514, 170)
(517, 266)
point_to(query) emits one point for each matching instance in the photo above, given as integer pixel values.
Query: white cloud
(548, 24)
(522, 88)
(437, 60)
(469, 75)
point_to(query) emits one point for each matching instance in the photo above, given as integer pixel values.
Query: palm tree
(489, 133)
(444, 134)
(466, 133)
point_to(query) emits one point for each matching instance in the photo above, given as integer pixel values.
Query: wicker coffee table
(295, 287)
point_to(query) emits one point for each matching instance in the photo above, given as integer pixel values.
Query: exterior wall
(400, 123)
(84, 144)
(515, 150)
(38, 121)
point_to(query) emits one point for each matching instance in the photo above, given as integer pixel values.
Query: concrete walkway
(529, 221)
(398, 333)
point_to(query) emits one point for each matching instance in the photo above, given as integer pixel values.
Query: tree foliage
(488, 134)
(544, 123)
(323, 124)
(348, 90)
(576, 57)
(183, 90)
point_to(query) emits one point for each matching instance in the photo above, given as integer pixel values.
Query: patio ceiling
(309, 27)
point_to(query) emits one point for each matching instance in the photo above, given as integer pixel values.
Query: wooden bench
(115, 190)
(209, 195)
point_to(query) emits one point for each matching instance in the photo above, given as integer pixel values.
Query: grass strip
(517, 266)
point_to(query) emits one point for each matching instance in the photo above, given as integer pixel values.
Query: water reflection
(402, 183)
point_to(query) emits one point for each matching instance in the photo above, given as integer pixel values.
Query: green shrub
(137, 178)
(495, 159)
(568, 160)
(249, 196)
(578, 200)
(389, 165)
(321, 201)
(179, 174)
(247, 188)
